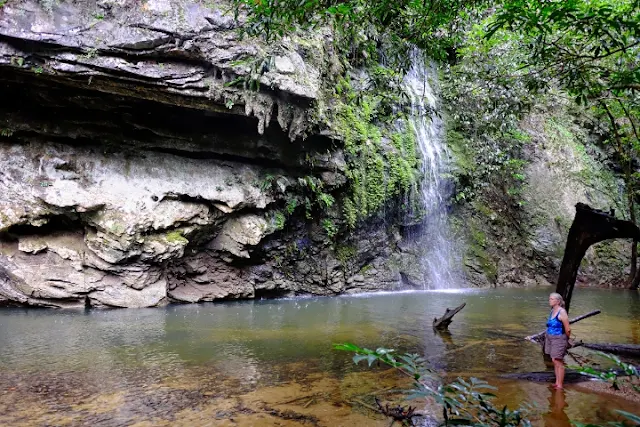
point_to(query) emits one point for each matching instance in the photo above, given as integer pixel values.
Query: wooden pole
(538, 337)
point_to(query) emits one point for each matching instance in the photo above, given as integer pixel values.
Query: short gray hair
(558, 297)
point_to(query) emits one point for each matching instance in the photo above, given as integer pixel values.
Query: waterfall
(438, 259)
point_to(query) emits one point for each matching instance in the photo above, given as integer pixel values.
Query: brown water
(268, 363)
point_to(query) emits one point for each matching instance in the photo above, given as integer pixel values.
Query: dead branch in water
(539, 336)
(548, 376)
(447, 318)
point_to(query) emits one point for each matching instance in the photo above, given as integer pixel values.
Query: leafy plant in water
(630, 373)
(463, 402)
(624, 374)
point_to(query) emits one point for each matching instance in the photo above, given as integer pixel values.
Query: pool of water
(271, 362)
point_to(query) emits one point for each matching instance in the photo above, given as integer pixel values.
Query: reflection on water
(182, 364)
(556, 417)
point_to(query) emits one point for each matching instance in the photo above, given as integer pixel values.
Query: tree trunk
(635, 283)
(633, 270)
(589, 227)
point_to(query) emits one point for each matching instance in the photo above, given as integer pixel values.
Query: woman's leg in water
(558, 367)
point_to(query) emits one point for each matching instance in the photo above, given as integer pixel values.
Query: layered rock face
(139, 165)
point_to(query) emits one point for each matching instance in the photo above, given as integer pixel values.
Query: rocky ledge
(147, 153)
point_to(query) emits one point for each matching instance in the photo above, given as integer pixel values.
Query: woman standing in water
(556, 339)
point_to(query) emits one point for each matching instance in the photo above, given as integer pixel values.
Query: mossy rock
(176, 237)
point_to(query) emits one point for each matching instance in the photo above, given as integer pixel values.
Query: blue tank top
(554, 325)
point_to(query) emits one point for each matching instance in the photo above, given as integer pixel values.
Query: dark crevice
(50, 302)
(56, 223)
(204, 155)
(272, 293)
(82, 115)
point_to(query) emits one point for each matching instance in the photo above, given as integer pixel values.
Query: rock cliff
(147, 153)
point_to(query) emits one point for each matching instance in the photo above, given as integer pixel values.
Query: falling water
(434, 237)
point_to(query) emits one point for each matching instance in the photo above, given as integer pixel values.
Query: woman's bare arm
(564, 318)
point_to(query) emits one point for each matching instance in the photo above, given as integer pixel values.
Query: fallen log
(571, 376)
(447, 318)
(548, 376)
(540, 336)
(630, 350)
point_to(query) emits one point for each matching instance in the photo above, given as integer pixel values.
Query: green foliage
(477, 249)
(350, 213)
(292, 204)
(633, 418)
(589, 46)
(250, 72)
(463, 402)
(267, 182)
(3, 2)
(360, 26)
(17, 60)
(514, 168)
(329, 228)
(278, 220)
(315, 198)
(325, 200)
(7, 132)
(91, 53)
(345, 253)
(488, 93)
(630, 372)
(382, 161)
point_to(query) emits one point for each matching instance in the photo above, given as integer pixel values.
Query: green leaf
(633, 417)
